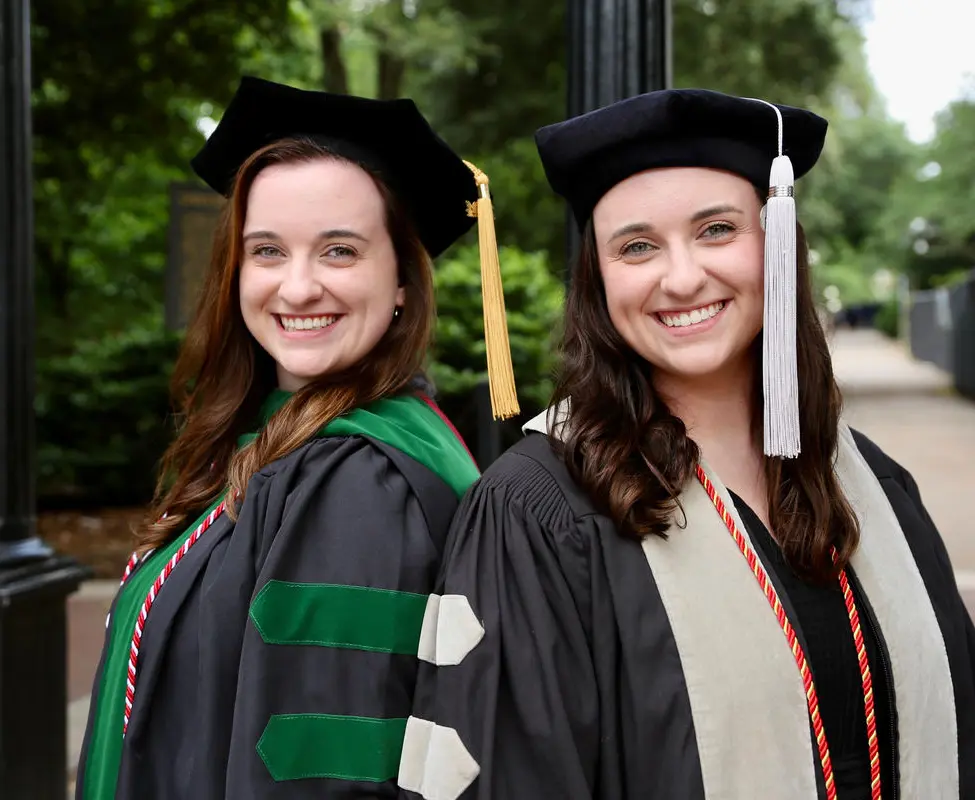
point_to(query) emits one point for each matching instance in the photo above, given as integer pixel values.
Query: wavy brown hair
(223, 375)
(633, 455)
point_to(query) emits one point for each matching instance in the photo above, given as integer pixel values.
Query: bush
(947, 280)
(533, 303)
(887, 319)
(102, 416)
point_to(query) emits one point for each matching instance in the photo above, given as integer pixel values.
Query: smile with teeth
(306, 323)
(686, 318)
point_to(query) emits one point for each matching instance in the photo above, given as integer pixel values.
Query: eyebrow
(335, 233)
(646, 227)
(713, 211)
(633, 227)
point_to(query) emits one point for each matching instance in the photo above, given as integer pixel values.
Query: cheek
(627, 288)
(384, 282)
(375, 288)
(740, 267)
(750, 274)
(252, 287)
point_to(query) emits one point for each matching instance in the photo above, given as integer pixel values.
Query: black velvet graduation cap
(389, 137)
(584, 157)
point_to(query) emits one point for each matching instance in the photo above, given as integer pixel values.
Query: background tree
(928, 230)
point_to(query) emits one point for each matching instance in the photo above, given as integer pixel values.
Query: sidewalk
(87, 611)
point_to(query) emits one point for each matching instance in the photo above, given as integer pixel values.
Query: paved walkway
(87, 611)
(909, 409)
(905, 406)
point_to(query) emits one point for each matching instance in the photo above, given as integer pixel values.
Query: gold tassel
(501, 376)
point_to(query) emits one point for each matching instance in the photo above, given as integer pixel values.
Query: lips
(684, 319)
(306, 323)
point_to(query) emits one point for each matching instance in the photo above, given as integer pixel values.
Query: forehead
(672, 191)
(325, 191)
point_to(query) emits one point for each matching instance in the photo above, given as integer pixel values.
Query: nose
(684, 277)
(300, 284)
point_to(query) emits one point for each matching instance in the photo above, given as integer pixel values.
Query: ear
(401, 296)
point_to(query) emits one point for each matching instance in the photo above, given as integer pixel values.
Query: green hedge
(887, 319)
(103, 419)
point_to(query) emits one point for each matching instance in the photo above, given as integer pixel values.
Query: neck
(717, 411)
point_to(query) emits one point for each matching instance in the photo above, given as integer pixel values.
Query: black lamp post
(34, 582)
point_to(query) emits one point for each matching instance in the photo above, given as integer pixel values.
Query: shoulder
(882, 465)
(884, 468)
(898, 484)
(532, 478)
(359, 469)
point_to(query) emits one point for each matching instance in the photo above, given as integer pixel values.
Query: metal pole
(33, 582)
(616, 49)
(17, 539)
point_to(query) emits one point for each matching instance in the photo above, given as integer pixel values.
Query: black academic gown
(208, 683)
(581, 686)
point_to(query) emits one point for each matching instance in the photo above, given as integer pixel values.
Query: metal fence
(942, 331)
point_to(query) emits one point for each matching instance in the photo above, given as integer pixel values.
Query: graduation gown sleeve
(343, 561)
(523, 701)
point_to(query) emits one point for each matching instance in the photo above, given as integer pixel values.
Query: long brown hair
(223, 375)
(633, 456)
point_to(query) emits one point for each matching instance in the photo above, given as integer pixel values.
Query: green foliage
(783, 50)
(954, 150)
(533, 300)
(848, 274)
(949, 279)
(527, 213)
(928, 231)
(887, 320)
(844, 197)
(103, 417)
(117, 90)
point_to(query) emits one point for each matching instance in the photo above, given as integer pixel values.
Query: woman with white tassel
(694, 580)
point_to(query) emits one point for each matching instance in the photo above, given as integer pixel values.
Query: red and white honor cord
(165, 572)
(805, 672)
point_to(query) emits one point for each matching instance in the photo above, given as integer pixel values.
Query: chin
(305, 374)
(692, 368)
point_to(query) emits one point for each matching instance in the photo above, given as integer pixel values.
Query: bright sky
(921, 53)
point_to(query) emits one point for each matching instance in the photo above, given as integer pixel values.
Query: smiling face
(681, 254)
(318, 276)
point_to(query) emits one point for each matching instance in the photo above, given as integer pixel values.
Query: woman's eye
(340, 252)
(716, 230)
(266, 251)
(641, 248)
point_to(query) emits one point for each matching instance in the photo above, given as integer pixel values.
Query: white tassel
(780, 375)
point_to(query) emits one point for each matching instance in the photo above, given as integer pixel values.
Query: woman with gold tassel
(265, 639)
(695, 581)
